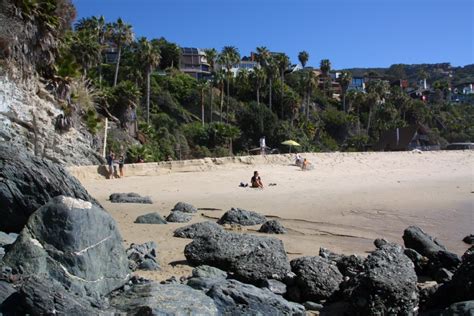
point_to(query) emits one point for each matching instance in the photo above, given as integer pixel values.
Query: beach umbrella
(290, 143)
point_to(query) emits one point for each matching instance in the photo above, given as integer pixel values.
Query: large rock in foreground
(242, 217)
(251, 258)
(75, 243)
(27, 183)
(200, 229)
(157, 299)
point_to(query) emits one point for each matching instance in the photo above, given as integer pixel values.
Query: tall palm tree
(150, 58)
(86, 50)
(311, 83)
(211, 56)
(376, 92)
(267, 62)
(303, 57)
(345, 79)
(325, 67)
(122, 35)
(228, 57)
(219, 79)
(283, 62)
(258, 77)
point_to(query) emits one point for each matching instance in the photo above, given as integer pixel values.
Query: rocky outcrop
(143, 256)
(28, 182)
(184, 207)
(179, 217)
(150, 218)
(129, 198)
(201, 229)
(75, 243)
(272, 227)
(252, 259)
(209, 272)
(242, 217)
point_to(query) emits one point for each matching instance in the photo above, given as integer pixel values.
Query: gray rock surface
(250, 258)
(179, 217)
(143, 256)
(387, 285)
(198, 230)
(7, 239)
(274, 286)
(27, 183)
(272, 227)
(151, 218)
(312, 306)
(350, 266)
(235, 298)
(157, 299)
(6, 292)
(129, 198)
(242, 217)
(316, 278)
(75, 243)
(205, 271)
(184, 207)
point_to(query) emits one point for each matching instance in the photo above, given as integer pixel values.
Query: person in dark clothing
(256, 180)
(121, 163)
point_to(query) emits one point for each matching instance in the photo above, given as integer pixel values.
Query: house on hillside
(405, 138)
(357, 84)
(193, 62)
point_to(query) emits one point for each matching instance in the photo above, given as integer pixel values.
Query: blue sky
(351, 33)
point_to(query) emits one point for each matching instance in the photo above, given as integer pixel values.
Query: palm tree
(219, 80)
(283, 62)
(211, 56)
(310, 85)
(303, 57)
(86, 50)
(376, 92)
(122, 35)
(202, 86)
(229, 57)
(258, 77)
(345, 79)
(150, 59)
(266, 61)
(325, 67)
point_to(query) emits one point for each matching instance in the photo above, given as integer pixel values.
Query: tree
(258, 77)
(345, 79)
(211, 56)
(169, 52)
(122, 35)
(86, 50)
(267, 62)
(325, 67)
(310, 84)
(283, 62)
(150, 59)
(202, 86)
(219, 79)
(376, 92)
(229, 57)
(303, 57)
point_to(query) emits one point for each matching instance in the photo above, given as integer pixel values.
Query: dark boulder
(179, 217)
(312, 306)
(198, 230)
(350, 266)
(209, 272)
(387, 285)
(469, 239)
(129, 198)
(151, 218)
(421, 262)
(329, 255)
(158, 299)
(8, 298)
(316, 277)
(443, 275)
(27, 183)
(250, 258)
(242, 217)
(184, 207)
(235, 298)
(272, 227)
(75, 243)
(143, 256)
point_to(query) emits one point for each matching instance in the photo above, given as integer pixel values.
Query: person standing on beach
(121, 163)
(110, 163)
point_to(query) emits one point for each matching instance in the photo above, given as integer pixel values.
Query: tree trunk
(211, 105)
(368, 121)
(222, 99)
(344, 101)
(258, 96)
(148, 75)
(282, 93)
(202, 106)
(270, 95)
(117, 65)
(228, 100)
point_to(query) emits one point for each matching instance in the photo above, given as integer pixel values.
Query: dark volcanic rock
(469, 239)
(143, 256)
(420, 262)
(179, 217)
(151, 218)
(184, 207)
(7, 291)
(157, 299)
(387, 285)
(251, 258)
(272, 227)
(27, 183)
(316, 278)
(129, 198)
(328, 254)
(235, 298)
(443, 275)
(209, 272)
(350, 266)
(198, 230)
(242, 217)
(75, 243)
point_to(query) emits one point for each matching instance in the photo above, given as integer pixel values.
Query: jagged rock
(387, 285)
(151, 218)
(272, 227)
(129, 198)
(158, 299)
(242, 217)
(420, 262)
(443, 275)
(209, 272)
(465, 308)
(312, 306)
(184, 207)
(251, 258)
(75, 243)
(274, 286)
(235, 298)
(198, 230)
(316, 278)
(179, 217)
(2, 252)
(469, 239)
(425, 291)
(439, 256)
(6, 292)
(328, 254)
(143, 256)
(380, 242)
(27, 183)
(203, 284)
(7, 239)
(350, 266)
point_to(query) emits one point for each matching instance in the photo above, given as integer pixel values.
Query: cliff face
(28, 114)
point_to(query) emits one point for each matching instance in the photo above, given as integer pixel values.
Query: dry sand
(347, 201)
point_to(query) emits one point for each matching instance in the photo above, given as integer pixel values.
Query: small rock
(469, 239)
(205, 271)
(312, 306)
(272, 227)
(184, 207)
(328, 254)
(275, 286)
(129, 198)
(380, 242)
(179, 217)
(242, 217)
(198, 230)
(143, 256)
(151, 218)
(7, 239)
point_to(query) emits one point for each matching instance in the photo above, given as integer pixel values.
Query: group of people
(301, 162)
(112, 164)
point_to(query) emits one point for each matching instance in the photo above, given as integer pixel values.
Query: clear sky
(351, 33)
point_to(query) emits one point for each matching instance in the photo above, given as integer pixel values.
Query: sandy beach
(343, 204)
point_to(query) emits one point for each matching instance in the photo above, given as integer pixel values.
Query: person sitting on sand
(256, 180)
(306, 164)
(298, 160)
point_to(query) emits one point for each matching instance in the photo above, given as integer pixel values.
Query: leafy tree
(283, 62)
(169, 52)
(258, 78)
(122, 35)
(228, 57)
(303, 57)
(86, 50)
(345, 79)
(211, 57)
(325, 67)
